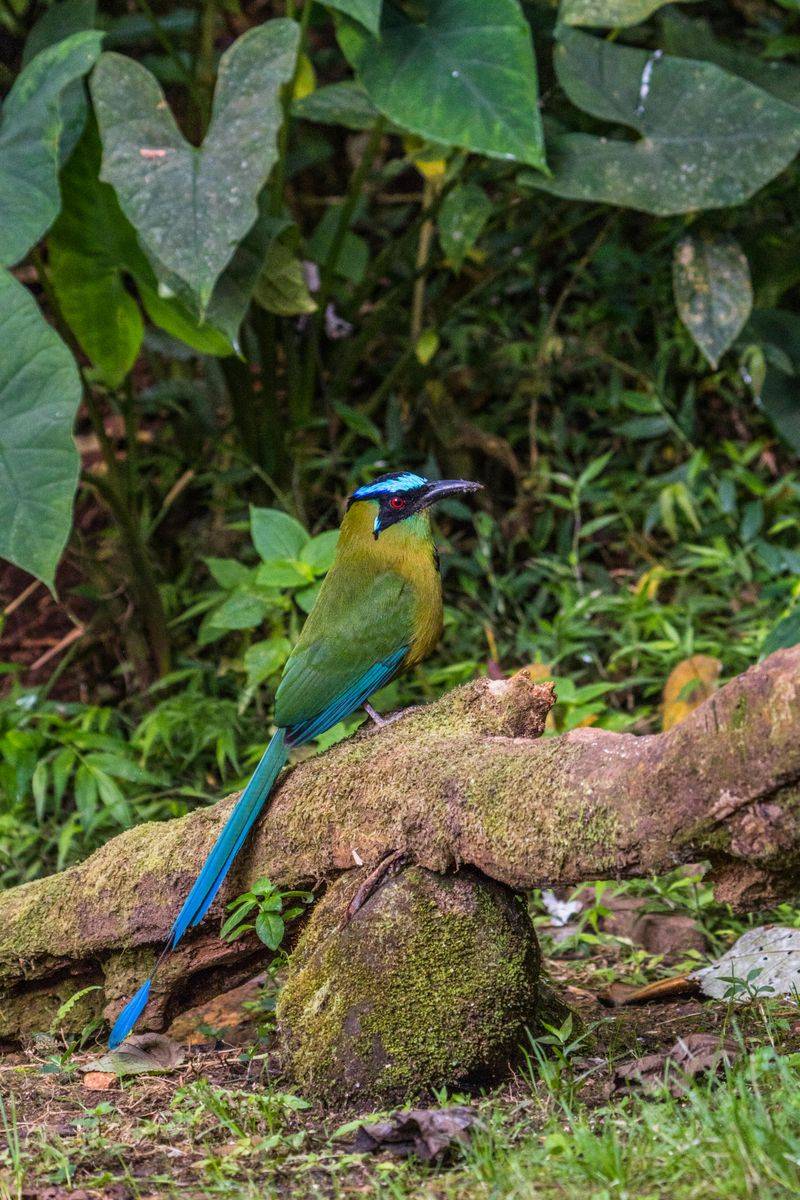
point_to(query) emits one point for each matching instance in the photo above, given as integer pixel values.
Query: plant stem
(143, 582)
(166, 44)
(204, 61)
(328, 272)
(421, 263)
(279, 173)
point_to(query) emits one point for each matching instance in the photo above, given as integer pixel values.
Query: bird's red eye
(397, 502)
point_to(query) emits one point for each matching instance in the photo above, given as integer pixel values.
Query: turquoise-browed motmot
(379, 610)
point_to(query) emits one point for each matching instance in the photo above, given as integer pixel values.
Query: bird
(378, 612)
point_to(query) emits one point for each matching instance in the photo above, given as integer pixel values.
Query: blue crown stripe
(406, 482)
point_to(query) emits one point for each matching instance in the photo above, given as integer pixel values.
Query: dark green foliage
(394, 279)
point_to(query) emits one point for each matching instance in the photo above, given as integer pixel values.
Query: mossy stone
(430, 984)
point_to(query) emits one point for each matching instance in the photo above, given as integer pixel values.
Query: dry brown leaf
(429, 1134)
(691, 1056)
(99, 1081)
(687, 686)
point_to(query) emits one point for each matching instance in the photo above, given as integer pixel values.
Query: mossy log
(432, 983)
(466, 781)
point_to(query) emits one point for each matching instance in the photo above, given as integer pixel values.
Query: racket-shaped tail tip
(129, 1015)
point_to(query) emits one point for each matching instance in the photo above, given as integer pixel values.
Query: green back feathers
(380, 594)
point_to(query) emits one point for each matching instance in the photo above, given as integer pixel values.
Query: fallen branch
(467, 780)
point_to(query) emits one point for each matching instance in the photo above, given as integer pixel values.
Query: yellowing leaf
(305, 79)
(688, 685)
(427, 345)
(648, 584)
(429, 168)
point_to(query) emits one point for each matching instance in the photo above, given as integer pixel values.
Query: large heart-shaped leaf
(367, 12)
(713, 292)
(30, 128)
(91, 249)
(609, 14)
(94, 250)
(192, 207)
(39, 393)
(708, 139)
(466, 76)
(693, 37)
(60, 21)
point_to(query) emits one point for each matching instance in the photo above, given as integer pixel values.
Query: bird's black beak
(440, 489)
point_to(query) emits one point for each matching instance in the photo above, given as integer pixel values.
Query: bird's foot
(379, 721)
(376, 718)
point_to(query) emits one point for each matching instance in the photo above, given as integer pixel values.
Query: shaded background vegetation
(641, 500)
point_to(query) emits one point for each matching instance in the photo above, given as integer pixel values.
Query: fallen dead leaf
(687, 686)
(763, 962)
(428, 1134)
(662, 991)
(695, 1055)
(141, 1052)
(99, 1081)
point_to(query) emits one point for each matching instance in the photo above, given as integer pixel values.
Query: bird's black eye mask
(400, 496)
(397, 507)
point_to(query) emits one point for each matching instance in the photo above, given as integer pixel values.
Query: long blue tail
(212, 876)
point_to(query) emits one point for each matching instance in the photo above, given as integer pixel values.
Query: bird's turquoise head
(403, 494)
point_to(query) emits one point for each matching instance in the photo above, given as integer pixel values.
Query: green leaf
(723, 141)
(307, 598)
(284, 573)
(233, 290)
(228, 572)
(191, 207)
(281, 285)
(275, 534)
(264, 659)
(690, 37)
(40, 390)
(713, 293)
(59, 21)
(344, 104)
(91, 249)
(242, 610)
(30, 128)
(785, 634)
(320, 551)
(171, 316)
(466, 76)
(270, 928)
(778, 331)
(464, 212)
(609, 14)
(56, 23)
(353, 257)
(366, 12)
(359, 422)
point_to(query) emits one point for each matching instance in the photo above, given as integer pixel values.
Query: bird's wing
(354, 641)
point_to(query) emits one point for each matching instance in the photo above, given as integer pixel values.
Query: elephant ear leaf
(191, 207)
(707, 139)
(30, 129)
(40, 390)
